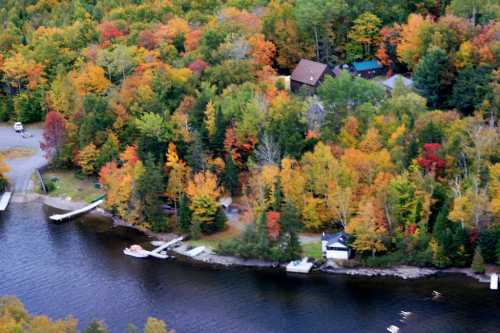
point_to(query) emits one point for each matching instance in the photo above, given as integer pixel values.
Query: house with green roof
(367, 69)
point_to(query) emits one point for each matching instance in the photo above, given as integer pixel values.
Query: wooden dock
(62, 217)
(4, 200)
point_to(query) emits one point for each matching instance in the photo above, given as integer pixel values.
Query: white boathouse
(335, 246)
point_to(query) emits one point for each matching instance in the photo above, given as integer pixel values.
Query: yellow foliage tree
(86, 159)
(494, 189)
(410, 48)
(465, 55)
(178, 173)
(203, 192)
(3, 169)
(317, 166)
(91, 79)
(314, 213)
(210, 118)
(293, 182)
(368, 234)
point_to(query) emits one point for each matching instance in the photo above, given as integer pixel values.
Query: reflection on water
(78, 268)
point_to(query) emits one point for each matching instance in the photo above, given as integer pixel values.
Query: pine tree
(262, 235)
(278, 196)
(217, 139)
(149, 188)
(498, 252)
(477, 262)
(290, 224)
(184, 215)
(230, 178)
(220, 220)
(432, 77)
(293, 247)
(196, 154)
(195, 230)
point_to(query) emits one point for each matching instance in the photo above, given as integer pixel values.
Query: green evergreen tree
(477, 262)
(471, 88)
(220, 220)
(290, 224)
(278, 196)
(293, 248)
(184, 215)
(195, 230)
(4, 109)
(230, 178)
(432, 77)
(498, 252)
(262, 236)
(217, 140)
(110, 151)
(149, 189)
(196, 155)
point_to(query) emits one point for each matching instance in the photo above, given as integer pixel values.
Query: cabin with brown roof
(308, 74)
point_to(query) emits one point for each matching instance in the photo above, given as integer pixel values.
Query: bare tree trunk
(474, 14)
(317, 42)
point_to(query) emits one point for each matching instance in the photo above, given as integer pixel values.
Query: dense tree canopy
(182, 103)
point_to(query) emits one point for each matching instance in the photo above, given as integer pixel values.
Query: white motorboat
(136, 251)
(393, 329)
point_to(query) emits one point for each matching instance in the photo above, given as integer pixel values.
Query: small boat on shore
(393, 329)
(299, 266)
(136, 251)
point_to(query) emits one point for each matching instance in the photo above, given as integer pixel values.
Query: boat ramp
(4, 200)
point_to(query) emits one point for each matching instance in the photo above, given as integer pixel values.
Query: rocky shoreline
(212, 259)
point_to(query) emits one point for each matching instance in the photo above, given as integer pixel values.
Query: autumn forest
(185, 102)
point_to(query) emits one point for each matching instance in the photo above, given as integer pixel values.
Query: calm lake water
(78, 268)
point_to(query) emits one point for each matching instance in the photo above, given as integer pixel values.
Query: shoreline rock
(213, 260)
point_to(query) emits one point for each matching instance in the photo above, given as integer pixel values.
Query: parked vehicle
(18, 127)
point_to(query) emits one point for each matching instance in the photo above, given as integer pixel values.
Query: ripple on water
(78, 268)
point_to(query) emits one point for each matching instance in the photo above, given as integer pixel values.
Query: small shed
(390, 83)
(335, 246)
(308, 74)
(367, 69)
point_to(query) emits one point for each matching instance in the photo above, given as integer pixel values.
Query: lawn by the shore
(70, 185)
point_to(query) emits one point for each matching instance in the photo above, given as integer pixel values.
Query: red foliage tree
(53, 134)
(430, 160)
(108, 31)
(273, 226)
(198, 66)
(147, 39)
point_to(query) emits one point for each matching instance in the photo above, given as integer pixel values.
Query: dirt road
(21, 169)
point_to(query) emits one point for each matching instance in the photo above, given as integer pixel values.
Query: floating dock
(158, 252)
(62, 217)
(494, 281)
(299, 266)
(4, 200)
(196, 251)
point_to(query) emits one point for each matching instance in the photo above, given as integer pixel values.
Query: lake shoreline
(212, 260)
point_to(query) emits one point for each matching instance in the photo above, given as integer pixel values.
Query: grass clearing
(17, 152)
(68, 184)
(312, 250)
(211, 241)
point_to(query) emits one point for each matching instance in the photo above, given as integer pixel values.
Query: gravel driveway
(21, 169)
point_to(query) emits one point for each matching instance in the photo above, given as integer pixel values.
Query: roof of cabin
(367, 65)
(308, 72)
(391, 82)
(340, 237)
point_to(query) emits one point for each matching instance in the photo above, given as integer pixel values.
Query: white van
(18, 127)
